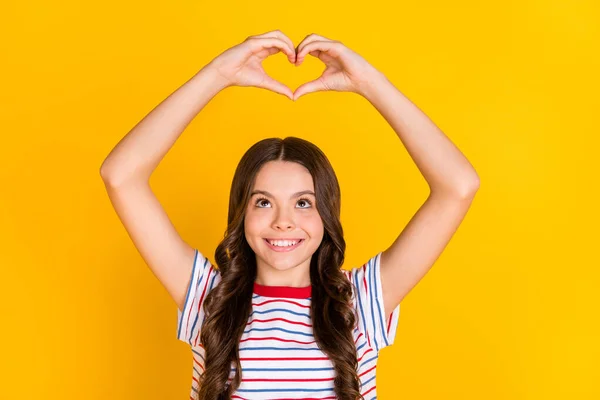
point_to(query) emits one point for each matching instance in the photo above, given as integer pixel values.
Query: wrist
(217, 80)
(371, 82)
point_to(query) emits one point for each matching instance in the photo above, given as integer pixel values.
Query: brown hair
(228, 304)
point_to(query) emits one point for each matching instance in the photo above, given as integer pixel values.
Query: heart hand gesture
(345, 70)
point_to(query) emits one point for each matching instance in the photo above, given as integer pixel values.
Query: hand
(346, 70)
(241, 64)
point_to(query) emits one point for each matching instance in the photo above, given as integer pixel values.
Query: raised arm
(127, 169)
(453, 184)
(126, 173)
(452, 179)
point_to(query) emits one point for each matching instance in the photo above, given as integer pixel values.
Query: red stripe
(358, 337)
(198, 363)
(210, 270)
(289, 380)
(235, 396)
(280, 301)
(187, 325)
(347, 273)
(364, 272)
(279, 319)
(361, 357)
(278, 339)
(370, 369)
(364, 268)
(368, 391)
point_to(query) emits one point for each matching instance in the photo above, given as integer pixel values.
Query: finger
(278, 34)
(281, 36)
(286, 39)
(309, 39)
(276, 86)
(309, 87)
(259, 44)
(330, 47)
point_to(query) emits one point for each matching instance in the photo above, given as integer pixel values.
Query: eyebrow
(291, 197)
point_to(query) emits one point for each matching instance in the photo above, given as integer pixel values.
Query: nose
(283, 221)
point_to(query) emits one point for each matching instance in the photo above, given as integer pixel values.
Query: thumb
(309, 87)
(277, 87)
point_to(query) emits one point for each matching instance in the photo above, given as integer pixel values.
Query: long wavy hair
(229, 303)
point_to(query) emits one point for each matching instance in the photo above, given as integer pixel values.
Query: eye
(307, 201)
(301, 200)
(259, 200)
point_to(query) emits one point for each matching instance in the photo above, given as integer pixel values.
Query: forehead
(283, 177)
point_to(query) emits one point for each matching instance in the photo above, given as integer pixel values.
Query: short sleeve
(189, 321)
(379, 329)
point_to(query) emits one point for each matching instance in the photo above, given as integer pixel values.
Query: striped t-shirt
(279, 356)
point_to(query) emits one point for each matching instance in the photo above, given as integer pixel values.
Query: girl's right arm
(127, 169)
(126, 173)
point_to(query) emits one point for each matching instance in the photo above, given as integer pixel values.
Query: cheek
(313, 225)
(253, 224)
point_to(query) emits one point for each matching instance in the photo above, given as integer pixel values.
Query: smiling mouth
(283, 248)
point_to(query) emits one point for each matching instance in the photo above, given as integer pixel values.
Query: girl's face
(283, 207)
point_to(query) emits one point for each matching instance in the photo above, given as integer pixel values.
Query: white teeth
(283, 243)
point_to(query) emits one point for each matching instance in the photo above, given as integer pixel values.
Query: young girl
(276, 317)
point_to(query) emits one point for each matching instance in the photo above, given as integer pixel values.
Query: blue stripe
(371, 301)
(380, 296)
(278, 329)
(279, 309)
(361, 346)
(212, 283)
(197, 353)
(203, 272)
(365, 382)
(363, 362)
(358, 295)
(187, 297)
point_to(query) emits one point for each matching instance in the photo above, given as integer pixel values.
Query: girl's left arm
(452, 180)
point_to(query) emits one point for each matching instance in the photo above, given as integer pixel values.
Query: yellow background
(509, 311)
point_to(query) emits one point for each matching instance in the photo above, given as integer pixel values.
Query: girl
(276, 316)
